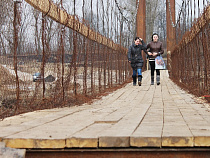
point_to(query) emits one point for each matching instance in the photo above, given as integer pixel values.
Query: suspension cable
(180, 12)
(122, 13)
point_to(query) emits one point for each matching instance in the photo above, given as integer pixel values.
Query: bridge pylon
(141, 23)
(170, 19)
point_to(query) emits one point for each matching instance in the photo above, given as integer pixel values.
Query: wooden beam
(61, 16)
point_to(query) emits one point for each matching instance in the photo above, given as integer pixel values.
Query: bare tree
(36, 15)
(155, 18)
(6, 7)
(128, 11)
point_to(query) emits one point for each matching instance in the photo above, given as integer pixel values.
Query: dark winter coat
(135, 56)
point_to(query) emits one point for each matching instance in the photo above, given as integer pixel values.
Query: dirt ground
(31, 92)
(6, 77)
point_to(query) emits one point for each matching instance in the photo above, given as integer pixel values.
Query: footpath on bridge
(133, 116)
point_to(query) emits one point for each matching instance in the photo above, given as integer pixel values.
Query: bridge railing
(190, 60)
(70, 60)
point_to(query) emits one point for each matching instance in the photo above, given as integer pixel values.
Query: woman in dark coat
(154, 48)
(136, 60)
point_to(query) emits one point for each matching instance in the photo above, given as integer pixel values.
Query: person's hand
(129, 61)
(155, 54)
(149, 53)
(140, 39)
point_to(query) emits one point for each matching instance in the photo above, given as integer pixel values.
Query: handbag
(159, 63)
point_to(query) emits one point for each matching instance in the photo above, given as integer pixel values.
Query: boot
(134, 80)
(158, 79)
(139, 79)
(152, 80)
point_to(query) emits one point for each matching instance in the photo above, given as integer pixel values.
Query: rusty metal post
(170, 17)
(171, 34)
(43, 52)
(16, 23)
(141, 23)
(141, 20)
(111, 65)
(75, 51)
(92, 49)
(85, 67)
(62, 38)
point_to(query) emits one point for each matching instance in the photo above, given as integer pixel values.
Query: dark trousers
(152, 66)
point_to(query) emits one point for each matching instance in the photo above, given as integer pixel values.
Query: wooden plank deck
(133, 116)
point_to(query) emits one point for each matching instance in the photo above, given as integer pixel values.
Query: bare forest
(71, 65)
(99, 20)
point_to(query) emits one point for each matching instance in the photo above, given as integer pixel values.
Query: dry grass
(31, 93)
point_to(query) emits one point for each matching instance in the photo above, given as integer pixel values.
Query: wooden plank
(13, 129)
(27, 143)
(147, 136)
(122, 105)
(119, 134)
(49, 131)
(113, 137)
(176, 132)
(198, 125)
(201, 138)
(177, 141)
(88, 137)
(30, 120)
(149, 132)
(52, 132)
(135, 116)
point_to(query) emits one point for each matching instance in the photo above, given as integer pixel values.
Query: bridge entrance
(64, 76)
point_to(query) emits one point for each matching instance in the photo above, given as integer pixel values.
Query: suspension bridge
(84, 104)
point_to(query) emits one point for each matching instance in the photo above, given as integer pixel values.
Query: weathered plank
(176, 132)
(134, 116)
(119, 134)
